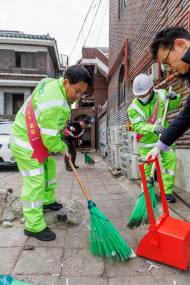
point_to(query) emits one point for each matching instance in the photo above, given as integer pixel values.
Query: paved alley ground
(67, 261)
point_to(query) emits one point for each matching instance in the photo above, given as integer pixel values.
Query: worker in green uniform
(145, 114)
(51, 103)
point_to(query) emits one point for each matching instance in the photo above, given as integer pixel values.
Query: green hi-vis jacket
(139, 113)
(52, 111)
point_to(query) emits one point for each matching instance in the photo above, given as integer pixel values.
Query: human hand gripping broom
(139, 213)
(105, 240)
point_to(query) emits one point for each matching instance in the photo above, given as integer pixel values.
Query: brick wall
(7, 63)
(140, 21)
(7, 59)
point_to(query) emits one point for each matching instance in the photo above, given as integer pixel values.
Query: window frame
(121, 86)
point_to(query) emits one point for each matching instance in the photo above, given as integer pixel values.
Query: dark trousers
(72, 151)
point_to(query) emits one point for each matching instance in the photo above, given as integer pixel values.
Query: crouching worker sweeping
(35, 136)
(145, 114)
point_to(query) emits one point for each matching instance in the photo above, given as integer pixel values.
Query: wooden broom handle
(86, 194)
(163, 119)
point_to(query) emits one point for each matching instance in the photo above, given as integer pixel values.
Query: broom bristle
(105, 240)
(88, 159)
(139, 215)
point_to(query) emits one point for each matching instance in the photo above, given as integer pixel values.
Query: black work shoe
(45, 235)
(76, 166)
(170, 198)
(53, 206)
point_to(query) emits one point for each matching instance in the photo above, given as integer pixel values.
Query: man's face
(82, 124)
(172, 56)
(145, 95)
(74, 91)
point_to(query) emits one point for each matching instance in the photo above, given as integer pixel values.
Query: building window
(122, 4)
(25, 60)
(18, 100)
(121, 86)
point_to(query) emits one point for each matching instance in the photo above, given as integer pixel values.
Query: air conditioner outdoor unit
(154, 72)
(132, 143)
(133, 171)
(116, 135)
(115, 156)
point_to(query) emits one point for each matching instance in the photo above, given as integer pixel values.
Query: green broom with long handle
(88, 159)
(105, 240)
(139, 215)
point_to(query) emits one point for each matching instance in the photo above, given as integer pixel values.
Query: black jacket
(73, 132)
(182, 122)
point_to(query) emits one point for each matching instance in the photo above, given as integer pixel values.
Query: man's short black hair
(77, 73)
(166, 38)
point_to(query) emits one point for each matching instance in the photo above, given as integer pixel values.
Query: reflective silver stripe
(32, 172)
(49, 132)
(147, 145)
(71, 134)
(32, 205)
(138, 109)
(52, 181)
(136, 120)
(162, 94)
(21, 143)
(158, 121)
(52, 103)
(37, 113)
(168, 171)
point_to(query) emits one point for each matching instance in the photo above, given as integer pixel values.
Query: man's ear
(65, 82)
(180, 43)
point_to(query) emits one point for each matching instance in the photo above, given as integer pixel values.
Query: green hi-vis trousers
(39, 184)
(168, 167)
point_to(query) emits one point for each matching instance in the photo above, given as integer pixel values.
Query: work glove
(159, 130)
(171, 95)
(153, 153)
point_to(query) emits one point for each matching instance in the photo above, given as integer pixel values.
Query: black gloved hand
(171, 95)
(159, 130)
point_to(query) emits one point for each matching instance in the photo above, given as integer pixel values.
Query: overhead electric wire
(92, 22)
(81, 27)
(101, 23)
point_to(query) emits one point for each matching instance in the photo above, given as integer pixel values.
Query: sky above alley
(62, 19)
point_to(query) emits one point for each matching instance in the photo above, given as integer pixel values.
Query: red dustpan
(168, 239)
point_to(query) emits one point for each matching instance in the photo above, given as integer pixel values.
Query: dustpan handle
(161, 186)
(87, 196)
(147, 196)
(151, 177)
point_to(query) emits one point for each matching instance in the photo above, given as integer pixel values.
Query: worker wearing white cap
(145, 114)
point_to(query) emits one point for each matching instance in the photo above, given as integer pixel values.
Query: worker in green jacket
(145, 114)
(51, 103)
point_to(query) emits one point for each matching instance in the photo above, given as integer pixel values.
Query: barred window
(122, 4)
(25, 59)
(121, 86)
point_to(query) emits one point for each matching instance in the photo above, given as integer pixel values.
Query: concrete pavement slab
(12, 237)
(67, 260)
(8, 258)
(132, 267)
(77, 238)
(146, 280)
(39, 261)
(80, 263)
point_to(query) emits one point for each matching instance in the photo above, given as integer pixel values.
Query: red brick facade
(96, 61)
(130, 38)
